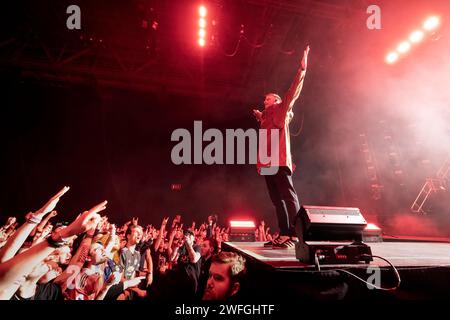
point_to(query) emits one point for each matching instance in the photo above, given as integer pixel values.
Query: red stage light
(202, 22)
(404, 47)
(202, 11)
(416, 36)
(242, 224)
(392, 57)
(431, 23)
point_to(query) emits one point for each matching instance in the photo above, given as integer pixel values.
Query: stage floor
(423, 267)
(407, 253)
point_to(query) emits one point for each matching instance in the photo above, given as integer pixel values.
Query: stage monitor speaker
(317, 228)
(316, 223)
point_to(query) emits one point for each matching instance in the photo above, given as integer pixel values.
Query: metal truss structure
(432, 185)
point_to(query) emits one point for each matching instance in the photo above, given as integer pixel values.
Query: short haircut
(131, 228)
(212, 243)
(236, 262)
(277, 97)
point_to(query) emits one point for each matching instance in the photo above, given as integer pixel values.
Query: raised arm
(44, 221)
(16, 241)
(294, 90)
(79, 258)
(159, 239)
(21, 265)
(113, 242)
(9, 223)
(171, 238)
(194, 256)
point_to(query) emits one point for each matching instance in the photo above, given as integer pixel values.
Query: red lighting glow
(201, 32)
(416, 36)
(392, 57)
(431, 23)
(202, 11)
(404, 47)
(242, 224)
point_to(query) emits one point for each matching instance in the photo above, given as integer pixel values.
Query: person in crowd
(14, 269)
(93, 259)
(208, 249)
(130, 260)
(226, 276)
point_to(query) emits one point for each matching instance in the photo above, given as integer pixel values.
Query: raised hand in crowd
(20, 266)
(96, 257)
(160, 238)
(9, 223)
(32, 219)
(86, 222)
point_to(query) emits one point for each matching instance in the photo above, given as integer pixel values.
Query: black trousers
(284, 198)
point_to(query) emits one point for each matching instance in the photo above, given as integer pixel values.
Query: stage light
(202, 11)
(201, 33)
(404, 47)
(242, 224)
(202, 23)
(242, 230)
(372, 233)
(201, 42)
(416, 36)
(392, 57)
(431, 23)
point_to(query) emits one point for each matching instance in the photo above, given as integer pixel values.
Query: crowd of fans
(93, 259)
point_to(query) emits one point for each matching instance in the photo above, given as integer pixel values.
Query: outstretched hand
(54, 213)
(10, 222)
(86, 221)
(51, 204)
(304, 62)
(257, 114)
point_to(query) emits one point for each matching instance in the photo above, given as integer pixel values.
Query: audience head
(134, 235)
(226, 275)
(208, 247)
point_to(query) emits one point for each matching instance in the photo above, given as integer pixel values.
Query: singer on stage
(278, 114)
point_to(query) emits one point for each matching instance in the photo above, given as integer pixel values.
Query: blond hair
(236, 262)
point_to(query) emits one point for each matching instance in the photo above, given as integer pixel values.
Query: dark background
(95, 108)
